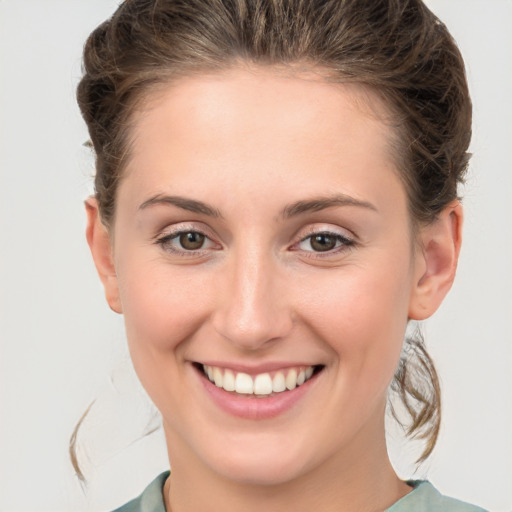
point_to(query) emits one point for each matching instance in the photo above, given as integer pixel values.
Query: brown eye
(187, 242)
(323, 242)
(191, 241)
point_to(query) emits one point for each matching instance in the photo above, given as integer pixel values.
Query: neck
(359, 478)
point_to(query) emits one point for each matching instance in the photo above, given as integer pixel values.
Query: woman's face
(261, 229)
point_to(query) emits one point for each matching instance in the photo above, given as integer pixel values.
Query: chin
(259, 473)
(260, 466)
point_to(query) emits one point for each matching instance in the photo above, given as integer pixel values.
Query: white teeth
(262, 384)
(244, 384)
(217, 377)
(278, 382)
(291, 379)
(229, 381)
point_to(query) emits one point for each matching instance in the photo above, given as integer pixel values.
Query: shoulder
(426, 498)
(151, 500)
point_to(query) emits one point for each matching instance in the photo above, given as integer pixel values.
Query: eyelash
(166, 240)
(343, 243)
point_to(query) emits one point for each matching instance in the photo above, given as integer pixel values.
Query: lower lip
(252, 407)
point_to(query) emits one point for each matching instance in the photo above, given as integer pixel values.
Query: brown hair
(398, 48)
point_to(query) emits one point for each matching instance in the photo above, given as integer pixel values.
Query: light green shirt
(423, 498)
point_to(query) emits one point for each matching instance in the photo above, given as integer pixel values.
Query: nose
(252, 308)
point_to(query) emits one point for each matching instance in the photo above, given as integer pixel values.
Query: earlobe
(436, 261)
(101, 249)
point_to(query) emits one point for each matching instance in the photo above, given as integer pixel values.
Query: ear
(436, 261)
(99, 242)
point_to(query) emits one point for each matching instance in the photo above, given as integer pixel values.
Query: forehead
(248, 94)
(252, 125)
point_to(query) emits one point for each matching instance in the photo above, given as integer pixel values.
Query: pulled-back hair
(397, 48)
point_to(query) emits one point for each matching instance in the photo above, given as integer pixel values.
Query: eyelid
(181, 227)
(326, 228)
(168, 234)
(347, 238)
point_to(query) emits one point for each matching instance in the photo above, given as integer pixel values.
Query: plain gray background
(61, 346)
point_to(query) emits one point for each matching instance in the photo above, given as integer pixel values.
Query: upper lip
(255, 369)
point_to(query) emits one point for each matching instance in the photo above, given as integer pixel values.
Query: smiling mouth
(261, 385)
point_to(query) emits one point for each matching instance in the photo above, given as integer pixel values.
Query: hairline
(369, 99)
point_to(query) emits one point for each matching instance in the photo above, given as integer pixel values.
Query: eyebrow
(310, 205)
(321, 203)
(184, 203)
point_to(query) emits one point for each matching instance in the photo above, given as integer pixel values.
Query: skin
(249, 143)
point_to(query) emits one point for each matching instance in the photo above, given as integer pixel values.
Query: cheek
(362, 314)
(162, 311)
(162, 305)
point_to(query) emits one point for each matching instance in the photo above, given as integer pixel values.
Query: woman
(276, 198)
